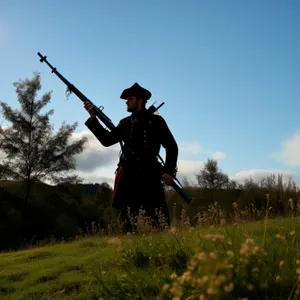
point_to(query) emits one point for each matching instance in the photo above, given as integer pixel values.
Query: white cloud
(94, 154)
(290, 151)
(96, 164)
(190, 147)
(188, 169)
(98, 176)
(218, 155)
(258, 174)
(195, 148)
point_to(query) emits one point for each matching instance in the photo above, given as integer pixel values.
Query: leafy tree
(212, 177)
(33, 153)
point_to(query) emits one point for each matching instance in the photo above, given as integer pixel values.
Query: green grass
(187, 263)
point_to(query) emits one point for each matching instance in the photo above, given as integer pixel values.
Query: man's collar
(138, 113)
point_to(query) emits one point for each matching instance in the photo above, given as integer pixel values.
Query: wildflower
(221, 279)
(211, 291)
(280, 236)
(185, 277)
(176, 291)
(249, 247)
(172, 230)
(201, 256)
(166, 287)
(215, 237)
(291, 203)
(230, 253)
(213, 255)
(228, 288)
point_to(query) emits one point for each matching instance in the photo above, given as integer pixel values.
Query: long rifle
(109, 124)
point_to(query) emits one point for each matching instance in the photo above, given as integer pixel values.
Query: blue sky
(228, 71)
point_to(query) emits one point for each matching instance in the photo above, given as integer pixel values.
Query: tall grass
(214, 256)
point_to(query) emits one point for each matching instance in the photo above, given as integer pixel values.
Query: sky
(228, 72)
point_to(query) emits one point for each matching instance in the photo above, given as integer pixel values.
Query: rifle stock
(180, 191)
(108, 123)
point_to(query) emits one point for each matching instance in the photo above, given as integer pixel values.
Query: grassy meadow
(249, 260)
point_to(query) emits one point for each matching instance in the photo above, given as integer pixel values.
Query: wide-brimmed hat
(136, 91)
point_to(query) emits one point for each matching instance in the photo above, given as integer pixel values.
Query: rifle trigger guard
(101, 107)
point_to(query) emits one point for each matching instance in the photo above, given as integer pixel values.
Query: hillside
(229, 262)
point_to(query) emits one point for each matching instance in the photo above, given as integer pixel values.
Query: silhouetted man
(139, 177)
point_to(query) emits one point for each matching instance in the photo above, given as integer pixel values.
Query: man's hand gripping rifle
(109, 124)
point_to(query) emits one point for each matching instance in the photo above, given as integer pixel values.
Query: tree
(213, 178)
(104, 197)
(104, 193)
(32, 151)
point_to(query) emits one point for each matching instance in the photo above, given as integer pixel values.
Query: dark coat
(138, 180)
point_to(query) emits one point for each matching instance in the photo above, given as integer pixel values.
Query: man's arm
(168, 142)
(106, 138)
